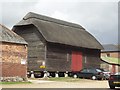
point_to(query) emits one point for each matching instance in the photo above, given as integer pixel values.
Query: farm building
(13, 55)
(57, 46)
(111, 50)
(110, 58)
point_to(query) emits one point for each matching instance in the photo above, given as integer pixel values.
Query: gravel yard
(40, 83)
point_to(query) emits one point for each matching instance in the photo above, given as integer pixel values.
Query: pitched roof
(58, 31)
(110, 48)
(9, 36)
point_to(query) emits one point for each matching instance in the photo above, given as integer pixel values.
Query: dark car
(91, 73)
(114, 81)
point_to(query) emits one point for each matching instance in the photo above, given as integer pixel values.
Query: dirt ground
(82, 83)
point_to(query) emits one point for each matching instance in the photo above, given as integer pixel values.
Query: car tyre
(94, 78)
(112, 87)
(75, 76)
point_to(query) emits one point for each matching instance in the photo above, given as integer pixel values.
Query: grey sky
(98, 18)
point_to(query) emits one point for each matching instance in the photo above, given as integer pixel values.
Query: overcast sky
(98, 18)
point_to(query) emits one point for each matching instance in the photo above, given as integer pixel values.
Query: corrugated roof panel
(9, 36)
(110, 47)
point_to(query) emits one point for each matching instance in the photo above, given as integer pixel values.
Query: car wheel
(75, 76)
(94, 78)
(112, 87)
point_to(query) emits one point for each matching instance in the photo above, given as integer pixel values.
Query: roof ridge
(51, 19)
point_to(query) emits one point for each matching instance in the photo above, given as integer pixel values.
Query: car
(91, 73)
(105, 73)
(114, 80)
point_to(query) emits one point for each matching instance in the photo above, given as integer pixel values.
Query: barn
(57, 46)
(13, 56)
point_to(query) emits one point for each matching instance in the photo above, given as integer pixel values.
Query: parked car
(105, 73)
(91, 73)
(114, 80)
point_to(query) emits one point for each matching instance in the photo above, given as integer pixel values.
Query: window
(108, 54)
(84, 70)
(67, 56)
(92, 71)
(98, 70)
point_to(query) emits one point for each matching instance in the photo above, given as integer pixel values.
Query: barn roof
(58, 31)
(110, 48)
(9, 36)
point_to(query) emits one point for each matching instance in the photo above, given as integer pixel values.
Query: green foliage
(15, 82)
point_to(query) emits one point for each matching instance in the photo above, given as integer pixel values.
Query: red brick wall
(13, 69)
(12, 55)
(112, 54)
(115, 54)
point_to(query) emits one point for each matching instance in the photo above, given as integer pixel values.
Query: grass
(15, 82)
(111, 60)
(64, 79)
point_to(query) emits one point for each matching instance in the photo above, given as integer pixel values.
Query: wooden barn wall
(59, 57)
(12, 57)
(91, 58)
(36, 46)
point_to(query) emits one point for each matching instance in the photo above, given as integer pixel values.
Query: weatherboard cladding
(58, 31)
(9, 36)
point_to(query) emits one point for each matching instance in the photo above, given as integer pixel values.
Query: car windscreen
(98, 70)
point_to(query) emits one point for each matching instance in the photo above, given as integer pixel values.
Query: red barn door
(76, 61)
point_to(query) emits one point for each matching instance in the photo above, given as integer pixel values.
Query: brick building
(110, 58)
(111, 50)
(13, 54)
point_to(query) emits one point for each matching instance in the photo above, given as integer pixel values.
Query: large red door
(76, 61)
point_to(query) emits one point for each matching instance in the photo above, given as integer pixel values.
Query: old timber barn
(13, 57)
(57, 46)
